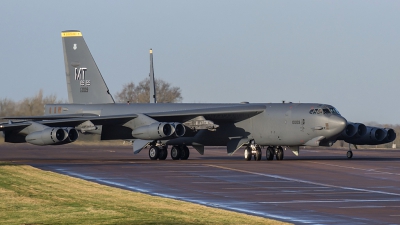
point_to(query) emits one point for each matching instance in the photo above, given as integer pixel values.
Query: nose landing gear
(349, 153)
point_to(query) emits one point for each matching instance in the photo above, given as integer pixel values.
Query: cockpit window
(331, 110)
(334, 111)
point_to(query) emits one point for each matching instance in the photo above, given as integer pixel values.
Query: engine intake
(72, 136)
(180, 129)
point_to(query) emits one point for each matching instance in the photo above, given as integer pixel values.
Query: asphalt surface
(321, 186)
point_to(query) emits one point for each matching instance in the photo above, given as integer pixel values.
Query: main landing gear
(180, 152)
(254, 149)
(251, 150)
(274, 150)
(161, 152)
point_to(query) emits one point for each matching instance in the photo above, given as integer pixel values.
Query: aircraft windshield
(325, 110)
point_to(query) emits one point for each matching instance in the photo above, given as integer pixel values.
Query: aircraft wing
(68, 122)
(51, 117)
(217, 114)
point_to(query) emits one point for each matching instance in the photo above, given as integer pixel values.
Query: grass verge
(32, 196)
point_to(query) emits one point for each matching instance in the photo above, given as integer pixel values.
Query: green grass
(32, 196)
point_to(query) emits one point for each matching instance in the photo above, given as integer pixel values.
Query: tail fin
(84, 81)
(153, 98)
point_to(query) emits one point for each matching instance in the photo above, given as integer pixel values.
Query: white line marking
(306, 182)
(210, 182)
(355, 168)
(368, 206)
(332, 201)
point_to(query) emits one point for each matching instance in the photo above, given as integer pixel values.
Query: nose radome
(337, 123)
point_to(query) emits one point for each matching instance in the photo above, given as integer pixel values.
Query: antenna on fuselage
(153, 98)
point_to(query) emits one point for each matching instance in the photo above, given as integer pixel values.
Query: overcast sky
(343, 53)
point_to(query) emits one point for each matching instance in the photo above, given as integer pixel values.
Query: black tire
(279, 153)
(247, 154)
(154, 152)
(163, 153)
(175, 152)
(269, 153)
(349, 154)
(258, 154)
(184, 152)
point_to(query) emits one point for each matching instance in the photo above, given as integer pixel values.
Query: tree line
(34, 106)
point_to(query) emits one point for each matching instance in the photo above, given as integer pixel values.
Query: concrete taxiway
(321, 186)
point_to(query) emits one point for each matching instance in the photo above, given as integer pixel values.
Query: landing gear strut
(279, 153)
(252, 149)
(350, 153)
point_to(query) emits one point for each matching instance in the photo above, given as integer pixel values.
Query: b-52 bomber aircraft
(92, 109)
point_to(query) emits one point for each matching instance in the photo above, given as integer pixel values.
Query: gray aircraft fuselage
(280, 124)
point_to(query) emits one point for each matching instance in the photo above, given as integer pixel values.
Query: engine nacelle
(153, 131)
(390, 135)
(361, 129)
(349, 131)
(353, 130)
(373, 136)
(179, 128)
(48, 136)
(72, 136)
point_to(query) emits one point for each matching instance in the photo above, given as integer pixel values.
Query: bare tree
(7, 107)
(29, 106)
(141, 93)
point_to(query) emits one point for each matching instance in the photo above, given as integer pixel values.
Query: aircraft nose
(337, 123)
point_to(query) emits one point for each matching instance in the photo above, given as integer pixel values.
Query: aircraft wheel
(269, 153)
(185, 153)
(349, 154)
(247, 154)
(163, 153)
(258, 154)
(279, 153)
(175, 152)
(154, 152)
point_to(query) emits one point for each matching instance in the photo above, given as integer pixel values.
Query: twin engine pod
(159, 130)
(354, 130)
(53, 136)
(359, 134)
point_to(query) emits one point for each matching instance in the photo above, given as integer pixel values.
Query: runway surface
(321, 186)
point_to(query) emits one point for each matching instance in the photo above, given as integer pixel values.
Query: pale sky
(343, 53)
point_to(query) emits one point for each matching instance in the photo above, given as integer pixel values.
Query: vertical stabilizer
(153, 98)
(84, 81)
